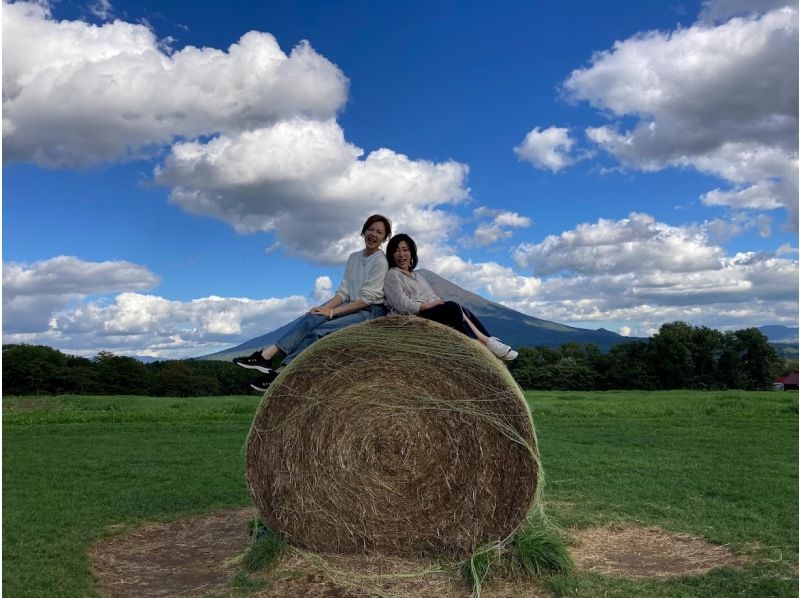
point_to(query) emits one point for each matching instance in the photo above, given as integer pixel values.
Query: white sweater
(363, 278)
(406, 292)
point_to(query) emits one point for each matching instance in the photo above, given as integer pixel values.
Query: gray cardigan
(406, 292)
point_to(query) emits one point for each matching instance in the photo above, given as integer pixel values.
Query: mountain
(146, 358)
(518, 329)
(250, 346)
(780, 334)
(515, 328)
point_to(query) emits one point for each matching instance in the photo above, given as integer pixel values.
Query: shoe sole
(510, 356)
(500, 353)
(260, 368)
(254, 387)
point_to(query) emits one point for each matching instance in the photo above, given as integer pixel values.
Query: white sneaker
(501, 350)
(510, 356)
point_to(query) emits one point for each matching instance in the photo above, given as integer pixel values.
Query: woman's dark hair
(392, 247)
(378, 218)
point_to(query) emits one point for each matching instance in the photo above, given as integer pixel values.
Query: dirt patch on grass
(183, 558)
(647, 552)
(192, 557)
(188, 558)
(27, 404)
(349, 576)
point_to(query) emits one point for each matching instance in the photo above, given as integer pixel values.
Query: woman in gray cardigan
(407, 292)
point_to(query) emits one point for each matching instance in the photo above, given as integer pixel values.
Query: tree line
(678, 356)
(37, 369)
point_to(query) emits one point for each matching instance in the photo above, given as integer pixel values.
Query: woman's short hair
(392, 247)
(378, 218)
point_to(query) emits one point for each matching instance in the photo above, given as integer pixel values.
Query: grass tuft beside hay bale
(264, 549)
(538, 547)
(398, 436)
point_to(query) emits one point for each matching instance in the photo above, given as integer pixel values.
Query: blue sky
(178, 178)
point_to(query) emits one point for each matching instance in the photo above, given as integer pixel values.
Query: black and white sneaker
(262, 384)
(501, 350)
(254, 362)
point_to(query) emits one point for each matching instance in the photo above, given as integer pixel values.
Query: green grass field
(722, 465)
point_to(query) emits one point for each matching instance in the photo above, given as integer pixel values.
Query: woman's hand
(333, 308)
(430, 304)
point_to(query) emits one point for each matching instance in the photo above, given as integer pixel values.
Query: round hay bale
(399, 436)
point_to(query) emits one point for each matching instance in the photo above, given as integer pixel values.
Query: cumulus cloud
(135, 323)
(721, 230)
(196, 322)
(33, 292)
(715, 11)
(323, 288)
(76, 94)
(634, 244)
(498, 227)
(501, 282)
(547, 149)
(62, 302)
(643, 273)
(102, 9)
(720, 98)
(252, 135)
(747, 289)
(634, 274)
(302, 180)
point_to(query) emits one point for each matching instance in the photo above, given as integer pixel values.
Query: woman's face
(402, 256)
(374, 236)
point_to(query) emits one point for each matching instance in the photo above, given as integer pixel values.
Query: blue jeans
(312, 327)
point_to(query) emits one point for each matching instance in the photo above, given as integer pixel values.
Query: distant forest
(679, 356)
(36, 369)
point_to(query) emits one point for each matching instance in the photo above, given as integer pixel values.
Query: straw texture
(398, 436)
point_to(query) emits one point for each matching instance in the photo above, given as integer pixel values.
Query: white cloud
(75, 94)
(634, 244)
(548, 149)
(722, 10)
(487, 277)
(33, 292)
(748, 289)
(134, 323)
(741, 294)
(718, 98)
(102, 9)
(635, 274)
(721, 230)
(62, 302)
(323, 288)
(497, 229)
(301, 179)
(199, 321)
(734, 291)
(253, 136)
(67, 275)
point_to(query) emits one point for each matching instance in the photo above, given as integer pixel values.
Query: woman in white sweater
(407, 292)
(359, 297)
